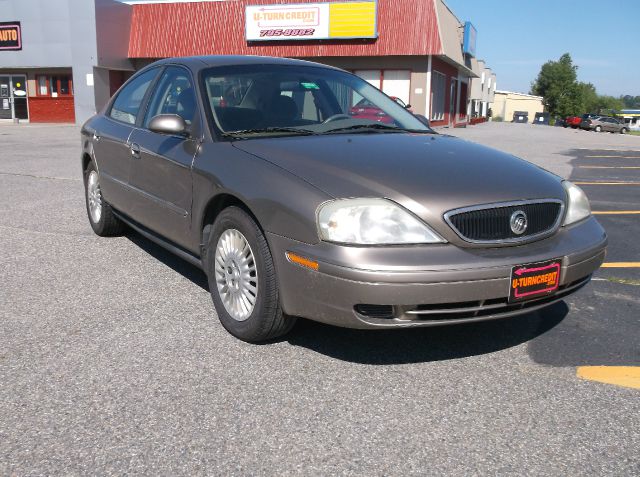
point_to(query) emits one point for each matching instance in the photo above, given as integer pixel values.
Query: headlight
(372, 222)
(578, 207)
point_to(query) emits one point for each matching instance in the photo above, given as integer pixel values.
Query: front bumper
(407, 286)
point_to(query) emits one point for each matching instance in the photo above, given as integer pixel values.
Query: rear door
(161, 163)
(110, 140)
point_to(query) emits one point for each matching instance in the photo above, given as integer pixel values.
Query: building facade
(74, 54)
(507, 102)
(482, 92)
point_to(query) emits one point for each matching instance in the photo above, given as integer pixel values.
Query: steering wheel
(335, 117)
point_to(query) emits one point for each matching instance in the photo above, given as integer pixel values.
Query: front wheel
(623, 131)
(598, 129)
(242, 279)
(101, 217)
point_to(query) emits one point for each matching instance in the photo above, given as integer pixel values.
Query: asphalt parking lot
(112, 360)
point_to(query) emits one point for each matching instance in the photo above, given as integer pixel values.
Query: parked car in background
(541, 119)
(520, 117)
(604, 123)
(364, 109)
(295, 208)
(572, 121)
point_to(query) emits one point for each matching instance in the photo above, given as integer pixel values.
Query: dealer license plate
(534, 280)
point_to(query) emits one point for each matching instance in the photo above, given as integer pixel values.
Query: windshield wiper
(374, 126)
(249, 132)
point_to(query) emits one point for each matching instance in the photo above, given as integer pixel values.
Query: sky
(516, 37)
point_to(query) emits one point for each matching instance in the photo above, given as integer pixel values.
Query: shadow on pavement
(190, 272)
(603, 329)
(416, 345)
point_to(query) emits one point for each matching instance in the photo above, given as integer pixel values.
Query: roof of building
(499, 91)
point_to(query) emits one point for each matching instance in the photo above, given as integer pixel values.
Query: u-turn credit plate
(534, 280)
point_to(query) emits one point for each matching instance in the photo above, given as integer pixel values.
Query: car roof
(197, 63)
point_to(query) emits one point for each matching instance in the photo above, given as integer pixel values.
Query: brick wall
(51, 110)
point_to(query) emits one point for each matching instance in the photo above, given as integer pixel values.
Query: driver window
(173, 95)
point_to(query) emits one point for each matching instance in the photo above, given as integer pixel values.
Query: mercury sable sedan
(253, 169)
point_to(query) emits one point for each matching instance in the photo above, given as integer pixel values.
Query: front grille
(493, 223)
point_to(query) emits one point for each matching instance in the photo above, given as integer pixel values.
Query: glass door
(6, 109)
(19, 90)
(13, 97)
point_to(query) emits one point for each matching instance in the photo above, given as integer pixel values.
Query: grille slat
(492, 223)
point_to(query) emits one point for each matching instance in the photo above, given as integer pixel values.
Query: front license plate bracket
(534, 280)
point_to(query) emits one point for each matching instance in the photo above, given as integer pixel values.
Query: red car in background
(573, 121)
(366, 110)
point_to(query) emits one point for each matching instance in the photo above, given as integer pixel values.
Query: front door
(161, 164)
(13, 97)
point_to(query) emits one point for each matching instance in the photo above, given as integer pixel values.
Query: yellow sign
(312, 21)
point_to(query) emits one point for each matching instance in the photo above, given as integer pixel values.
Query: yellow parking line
(609, 167)
(614, 157)
(615, 212)
(607, 183)
(625, 376)
(621, 265)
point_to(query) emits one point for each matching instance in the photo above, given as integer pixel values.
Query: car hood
(428, 174)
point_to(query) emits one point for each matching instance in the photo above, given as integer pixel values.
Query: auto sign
(10, 36)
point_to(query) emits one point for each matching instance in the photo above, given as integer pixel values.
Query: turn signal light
(303, 262)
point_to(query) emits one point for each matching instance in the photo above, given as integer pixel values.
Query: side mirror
(408, 106)
(171, 124)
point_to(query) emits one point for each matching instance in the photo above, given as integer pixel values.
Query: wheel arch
(86, 160)
(215, 206)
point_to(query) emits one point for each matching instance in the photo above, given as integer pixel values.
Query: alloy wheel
(94, 197)
(236, 274)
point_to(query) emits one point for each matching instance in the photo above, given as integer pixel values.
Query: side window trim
(145, 98)
(145, 101)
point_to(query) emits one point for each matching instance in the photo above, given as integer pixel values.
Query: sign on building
(311, 21)
(10, 36)
(469, 41)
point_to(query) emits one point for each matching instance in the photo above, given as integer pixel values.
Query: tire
(237, 248)
(623, 131)
(598, 129)
(101, 217)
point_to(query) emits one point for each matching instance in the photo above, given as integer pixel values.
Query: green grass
(634, 133)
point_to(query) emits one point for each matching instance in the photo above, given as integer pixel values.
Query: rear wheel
(242, 279)
(101, 216)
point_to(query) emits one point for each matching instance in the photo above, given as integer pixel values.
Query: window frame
(145, 99)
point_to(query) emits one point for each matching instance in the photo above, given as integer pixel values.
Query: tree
(630, 102)
(557, 84)
(588, 98)
(607, 104)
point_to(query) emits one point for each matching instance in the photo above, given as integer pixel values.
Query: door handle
(96, 136)
(135, 150)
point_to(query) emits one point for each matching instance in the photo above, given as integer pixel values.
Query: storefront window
(43, 88)
(65, 88)
(54, 86)
(438, 87)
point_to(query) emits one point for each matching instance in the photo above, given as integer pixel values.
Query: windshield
(258, 100)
